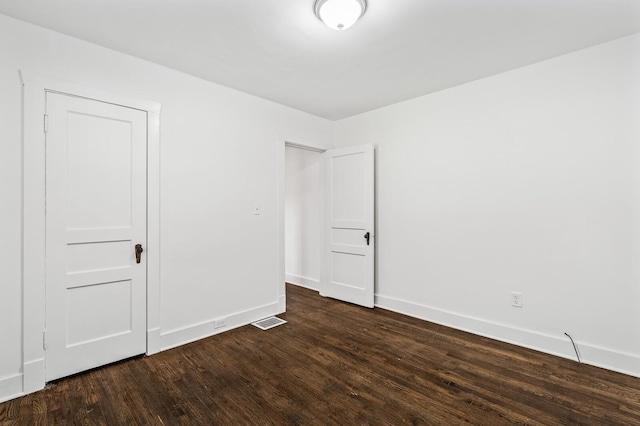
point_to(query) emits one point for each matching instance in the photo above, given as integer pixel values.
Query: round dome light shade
(340, 14)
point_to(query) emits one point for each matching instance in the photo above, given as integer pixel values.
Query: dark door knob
(139, 251)
(367, 236)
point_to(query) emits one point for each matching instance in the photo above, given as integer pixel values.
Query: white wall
(525, 181)
(303, 215)
(218, 160)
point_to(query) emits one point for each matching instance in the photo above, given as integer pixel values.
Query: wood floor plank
(337, 364)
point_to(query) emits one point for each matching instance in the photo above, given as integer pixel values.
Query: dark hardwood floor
(337, 364)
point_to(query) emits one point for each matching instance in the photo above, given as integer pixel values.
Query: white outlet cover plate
(516, 299)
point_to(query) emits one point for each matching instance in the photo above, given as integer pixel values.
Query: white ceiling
(279, 50)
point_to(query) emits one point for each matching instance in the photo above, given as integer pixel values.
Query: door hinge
(44, 340)
(46, 123)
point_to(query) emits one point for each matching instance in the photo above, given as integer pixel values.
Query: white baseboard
(184, 335)
(33, 376)
(610, 360)
(153, 341)
(554, 345)
(11, 387)
(305, 282)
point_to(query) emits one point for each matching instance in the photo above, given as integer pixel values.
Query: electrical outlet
(219, 323)
(256, 210)
(516, 299)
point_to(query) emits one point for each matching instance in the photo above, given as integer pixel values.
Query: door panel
(349, 260)
(90, 314)
(348, 187)
(95, 214)
(348, 269)
(90, 257)
(98, 147)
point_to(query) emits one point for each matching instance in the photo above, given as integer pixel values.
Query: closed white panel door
(95, 216)
(349, 221)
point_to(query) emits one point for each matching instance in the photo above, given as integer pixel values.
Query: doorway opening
(326, 220)
(304, 215)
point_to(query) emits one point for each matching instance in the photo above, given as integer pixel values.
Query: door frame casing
(34, 88)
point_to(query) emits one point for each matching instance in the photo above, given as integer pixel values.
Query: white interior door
(95, 216)
(348, 272)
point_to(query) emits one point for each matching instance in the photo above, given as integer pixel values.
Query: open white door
(95, 216)
(348, 270)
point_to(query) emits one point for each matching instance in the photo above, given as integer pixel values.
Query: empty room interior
(439, 199)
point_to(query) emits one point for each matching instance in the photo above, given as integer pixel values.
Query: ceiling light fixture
(340, 14)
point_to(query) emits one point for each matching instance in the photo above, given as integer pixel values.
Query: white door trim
(281, 143)
(34, 86)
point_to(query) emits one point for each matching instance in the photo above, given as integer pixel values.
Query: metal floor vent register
(267, 323)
